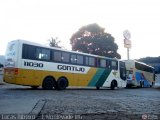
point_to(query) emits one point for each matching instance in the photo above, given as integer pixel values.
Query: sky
(39, 20)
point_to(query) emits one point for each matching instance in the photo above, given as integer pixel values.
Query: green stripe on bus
(100, 77)
(103, 78)
(96, 77)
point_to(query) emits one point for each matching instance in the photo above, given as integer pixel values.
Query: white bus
(36, 65)
(139, 74)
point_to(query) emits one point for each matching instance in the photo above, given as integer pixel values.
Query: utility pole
(128, 53)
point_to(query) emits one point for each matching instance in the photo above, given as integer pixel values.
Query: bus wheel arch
(113, 84)
(62, 83)
(48, 83)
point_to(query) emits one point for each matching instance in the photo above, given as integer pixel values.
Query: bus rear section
(135, 78)
(139, 74)
(11, 62)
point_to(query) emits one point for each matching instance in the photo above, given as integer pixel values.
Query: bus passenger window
(102, 63)
(28, 52)
(65, 57)
(108, 64)
(45, 54)
(73, 59)
(79, 59)
(42, 54)
(114, 65)
(91, 61)
(57, 56)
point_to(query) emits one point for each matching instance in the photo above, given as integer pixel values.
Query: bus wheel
(34, 87)
(141, 84)
(113, 84)
(48, 83)
(97, 88)
(62, 83)
(128, 86)
(152, 84)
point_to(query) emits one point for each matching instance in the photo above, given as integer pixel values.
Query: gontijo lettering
(70, 68)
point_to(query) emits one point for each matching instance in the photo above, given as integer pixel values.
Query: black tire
(113, 85)
(62, 83)
(141, 84)
(97, 88)
(152, 84)
(48, 83)
(128, 86)
(34, 87)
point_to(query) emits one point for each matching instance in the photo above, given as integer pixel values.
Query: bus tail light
(133, 77)
(16, 71)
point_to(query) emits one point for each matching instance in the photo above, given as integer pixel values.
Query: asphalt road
(81, 103)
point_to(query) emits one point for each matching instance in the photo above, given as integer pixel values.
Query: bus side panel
(138, 77)
(148, 79)
(84, 79)
(100, 77)
(114, 75)
(36, 77)
(9, 75)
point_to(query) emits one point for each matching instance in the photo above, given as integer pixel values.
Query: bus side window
(80, 59)
(103, 63)
(42, 54)
(108, 64)
(114, 65)
(65, 57)
(91, 61)
(73, 58)
(45, 54)
(28, 52)
(57, 56)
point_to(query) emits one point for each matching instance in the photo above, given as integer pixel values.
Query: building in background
(2, 61)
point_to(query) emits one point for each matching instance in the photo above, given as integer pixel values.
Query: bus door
(122, 69)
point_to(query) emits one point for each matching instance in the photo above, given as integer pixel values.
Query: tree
(53, 42)
(92, 39)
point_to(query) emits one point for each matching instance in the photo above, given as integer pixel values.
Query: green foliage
(92, 39)
(53, 42)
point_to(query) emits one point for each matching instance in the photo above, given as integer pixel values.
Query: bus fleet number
(33, 64)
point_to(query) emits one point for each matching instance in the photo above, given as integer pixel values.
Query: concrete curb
(37, 108)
